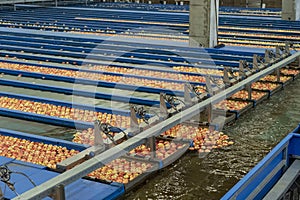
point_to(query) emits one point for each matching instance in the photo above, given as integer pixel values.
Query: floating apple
(203, 138)
(35, 152)
(290, 72)
(107, 78)
(164, 148)
(121, 170)
(273, 78)
(87, 136)
(150, 73)
(198, 70)
(243, 94)
(264, 86)
(232, 105)
(64, 112)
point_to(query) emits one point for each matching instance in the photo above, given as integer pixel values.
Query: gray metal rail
(53, 186)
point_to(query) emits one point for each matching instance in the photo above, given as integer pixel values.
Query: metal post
(226, 79)
(59, 193)
(163, 106)
(209, 111)
(255, 62)
(249, 90)
(152, 145)
(277, 71)
(278, 54)
(187, 95)
(208, 85)
(267, 57)
(98, 139)
(134, 125)
(242, 69)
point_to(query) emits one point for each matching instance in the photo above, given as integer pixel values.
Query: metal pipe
(100, 160)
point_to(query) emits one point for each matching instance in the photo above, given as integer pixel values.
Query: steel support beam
(204, 23)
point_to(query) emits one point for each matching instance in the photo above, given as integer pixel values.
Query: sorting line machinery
(57, 184)
(161, 25)
(150, 52)
(262, 65)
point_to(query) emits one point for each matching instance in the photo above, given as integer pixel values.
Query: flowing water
(254, 134)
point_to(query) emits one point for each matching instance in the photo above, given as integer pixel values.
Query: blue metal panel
(89, 59)
(99, 40)
(158, 54)
(251, 181)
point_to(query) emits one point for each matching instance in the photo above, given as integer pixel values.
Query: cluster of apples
(243, 94)
(203, 138)
(232, 105)
(150, 73)
(121, 170)
(39, 153)
(251, 43)
(87, 136)
(289, 72)
(164, 148)
(260, 29)
(264, 86)
(198, 70)
(283, 37)
(96, 76)
(131, 35)
(64, 112)
(273, 78)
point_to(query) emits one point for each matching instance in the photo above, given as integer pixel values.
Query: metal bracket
(278, 52)
(228, 73)
(98, 139)
(209, 111)
(163, 105)
(255, 62)
(98, 148)
(277, 73)
(134, 125)
(287, 49)
(59, 193)
(208, 85)
(226, 79)
(242, 66)
(152, 145)
(267, 57)
(187, 94)
(249, 90)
